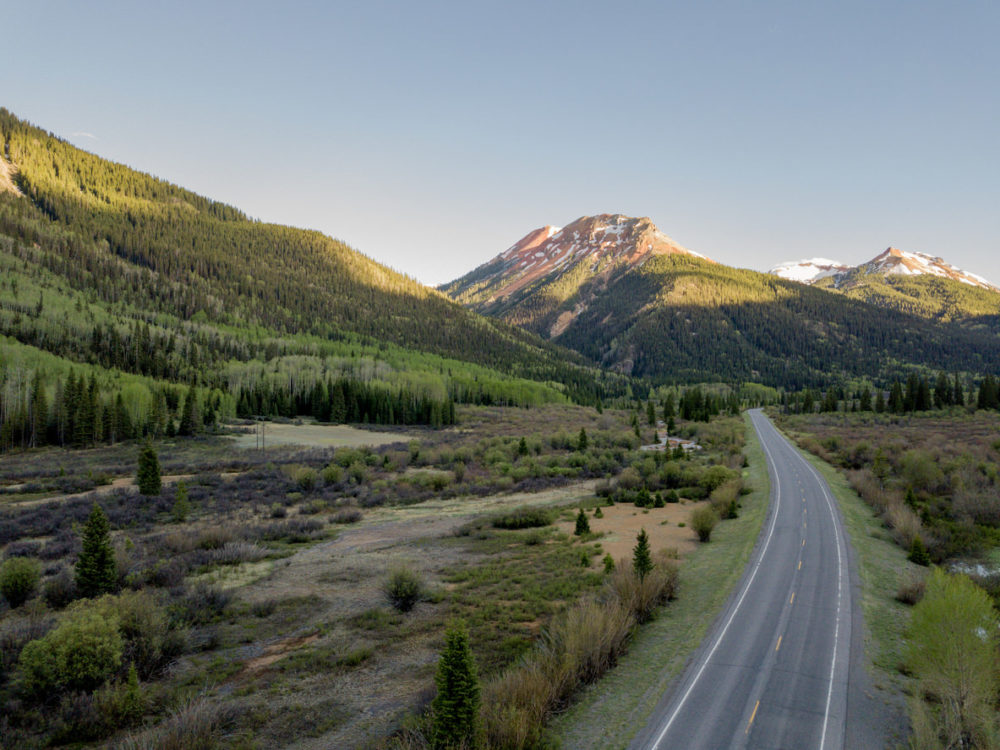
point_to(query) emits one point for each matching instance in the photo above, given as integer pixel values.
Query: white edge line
(739, 602)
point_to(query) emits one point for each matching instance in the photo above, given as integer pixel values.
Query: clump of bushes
(19, 578)
(522, 518)
(403, 589)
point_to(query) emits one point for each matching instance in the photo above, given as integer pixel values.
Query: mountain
(549, 276)
(674, 315)
(891, 262)
(808, 271)
(911, 282)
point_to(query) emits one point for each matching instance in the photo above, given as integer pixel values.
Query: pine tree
(95, 568)
(455, 708)
(582, 524)
(148, 475)
(39, 411)
(582, 441)
(642, 559)
(650, 413)
(182, 506)
(959, 396)
(191, 415)
(880, 401)
(866, 400)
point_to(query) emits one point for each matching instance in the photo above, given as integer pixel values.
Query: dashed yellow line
(803, 542)
(752, 717)
(790, 601)
(779, 643)
(800, 565)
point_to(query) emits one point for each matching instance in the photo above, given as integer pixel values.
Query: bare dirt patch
(622, 523)
(319, 436)
(275, 652)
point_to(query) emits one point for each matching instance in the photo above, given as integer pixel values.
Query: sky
(431, 136)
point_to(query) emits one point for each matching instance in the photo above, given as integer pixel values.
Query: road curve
(773, 671)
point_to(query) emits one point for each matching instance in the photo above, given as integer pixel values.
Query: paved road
(773, 670)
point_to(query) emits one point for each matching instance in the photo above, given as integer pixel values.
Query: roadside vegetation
(928, 482)
(248, 595)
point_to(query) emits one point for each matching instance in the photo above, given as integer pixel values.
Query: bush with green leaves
(522, 518)
(704, 520)
(182, 505)
(83, 651)
(19, 578)
(403, 588)
(951, 650)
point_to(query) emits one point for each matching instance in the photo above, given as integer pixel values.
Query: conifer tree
(582, 524)
(95, 568)
(182, 506)
(456, 706)
(582, 442)
(190, 415)
(39, 411)
(642, 559)
(148, 475)
(650, 413)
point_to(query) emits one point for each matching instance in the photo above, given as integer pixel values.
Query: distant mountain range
(624, 294)
(890, 262)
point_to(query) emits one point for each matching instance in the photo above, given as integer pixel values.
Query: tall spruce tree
(148, 475)
(455, 708)
(95, 568)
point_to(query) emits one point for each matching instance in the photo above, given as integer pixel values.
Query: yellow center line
(803, 542)
(779, 643)
(792, 599)
(752, 717)
(800, 565)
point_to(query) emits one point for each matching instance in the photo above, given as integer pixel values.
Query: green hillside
(114, 271)
(926, 296)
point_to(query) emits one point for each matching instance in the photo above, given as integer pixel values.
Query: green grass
(609, 713)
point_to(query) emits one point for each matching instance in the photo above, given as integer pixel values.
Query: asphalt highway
(772, 672)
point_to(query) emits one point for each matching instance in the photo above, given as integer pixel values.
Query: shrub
(332, 474)
(725, 498)
(60, 589)
(582, 524)
(305, 478)
(19, 579)
(403, 589)
(641, 596)
(703, 521)
(121, 704)
(952, 652)
(522, 518)
(194, 726)
(598, 513)
(278, 511)
(609, 563)
(81, 653)
(911, 591)
(918, 553)
(347, 515)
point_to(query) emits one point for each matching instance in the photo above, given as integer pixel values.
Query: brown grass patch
(622, 522)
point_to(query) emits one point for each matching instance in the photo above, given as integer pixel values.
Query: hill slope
(678, 316)
(149, 252)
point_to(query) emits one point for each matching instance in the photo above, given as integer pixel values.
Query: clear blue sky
(432, 135)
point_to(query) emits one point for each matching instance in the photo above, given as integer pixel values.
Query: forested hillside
(677, 317)
(137, 286)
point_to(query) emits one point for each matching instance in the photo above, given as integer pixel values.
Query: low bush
(725, 498)
(19, 579)
(194, 726)
(704, 520)
(347, 515)
(80, 654)
(640, 596)
(403, 589)
(911, 591)
(522, 518)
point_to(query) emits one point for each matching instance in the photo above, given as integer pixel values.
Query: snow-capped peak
(890, 262)
(808, 271)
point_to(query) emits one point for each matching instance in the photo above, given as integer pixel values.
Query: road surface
(773, 670)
